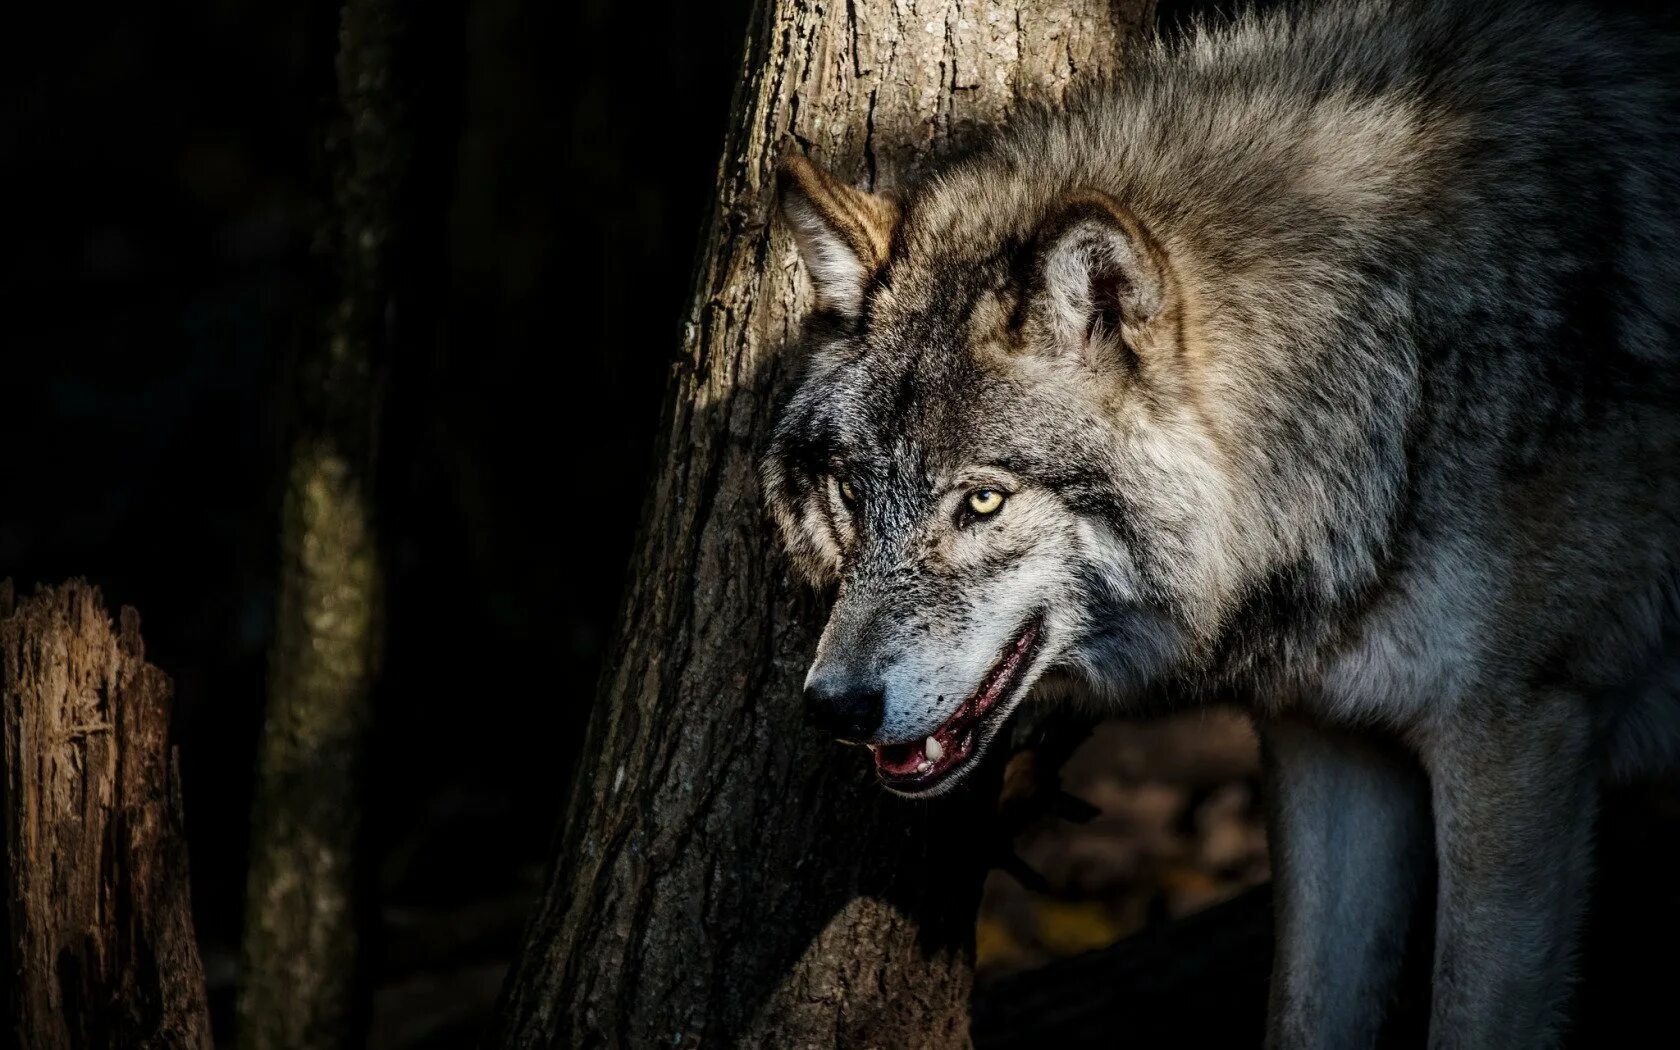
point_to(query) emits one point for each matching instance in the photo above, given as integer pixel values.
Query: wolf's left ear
(1104, 277)
(844, 234)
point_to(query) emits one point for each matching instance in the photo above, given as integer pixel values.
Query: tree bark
(726, 877)
(97, 920)
(301, 982)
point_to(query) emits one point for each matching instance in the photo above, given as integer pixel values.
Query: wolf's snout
(845, 706)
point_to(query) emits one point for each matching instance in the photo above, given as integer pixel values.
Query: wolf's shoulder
(1454, 49)
(1500, 69)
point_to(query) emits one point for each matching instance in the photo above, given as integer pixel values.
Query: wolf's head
(1013, 455)
(992, 453)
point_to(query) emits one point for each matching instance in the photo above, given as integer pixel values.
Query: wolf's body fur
(1330, 358)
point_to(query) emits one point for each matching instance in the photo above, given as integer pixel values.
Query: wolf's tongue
(899, 759)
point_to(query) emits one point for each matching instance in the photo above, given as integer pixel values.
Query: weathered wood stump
(97, 920)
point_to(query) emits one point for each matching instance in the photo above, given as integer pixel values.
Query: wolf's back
(1470, 152)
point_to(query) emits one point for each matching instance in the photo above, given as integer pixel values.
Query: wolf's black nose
(849, 710)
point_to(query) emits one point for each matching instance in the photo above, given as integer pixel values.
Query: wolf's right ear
(844, 234)
(1104, 277)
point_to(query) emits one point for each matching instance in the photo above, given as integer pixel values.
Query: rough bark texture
(726, 877)
(300, 986)
(97, 920)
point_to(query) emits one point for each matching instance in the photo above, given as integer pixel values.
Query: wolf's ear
(1104, 277)
(844, 234)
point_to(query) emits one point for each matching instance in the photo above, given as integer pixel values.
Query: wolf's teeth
(932, 750)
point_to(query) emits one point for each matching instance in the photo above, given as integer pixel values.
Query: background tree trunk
(97, 920)
(301, 982)
(726, 877)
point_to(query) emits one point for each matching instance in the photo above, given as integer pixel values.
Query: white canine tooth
(932, 750)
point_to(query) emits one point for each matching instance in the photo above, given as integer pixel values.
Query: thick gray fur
(1329, 360)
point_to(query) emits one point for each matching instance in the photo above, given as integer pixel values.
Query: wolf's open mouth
(921, 764)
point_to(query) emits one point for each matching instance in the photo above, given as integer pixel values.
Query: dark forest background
(164, 172)
(163, 176)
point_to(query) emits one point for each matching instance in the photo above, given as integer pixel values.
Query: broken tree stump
(97, 921)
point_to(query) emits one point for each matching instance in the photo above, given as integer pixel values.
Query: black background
(163, 163)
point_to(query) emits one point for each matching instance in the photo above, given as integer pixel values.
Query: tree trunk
(301, 984)
(97, 920)
(726, 877)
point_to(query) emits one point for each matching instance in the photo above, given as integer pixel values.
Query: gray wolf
(1329, 359)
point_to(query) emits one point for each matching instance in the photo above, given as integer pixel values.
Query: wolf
(1326, 358)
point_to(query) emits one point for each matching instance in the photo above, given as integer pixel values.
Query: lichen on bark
(301, 936)
(301, 985)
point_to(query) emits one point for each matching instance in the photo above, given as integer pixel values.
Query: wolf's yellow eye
(848, 495)
(985, 501)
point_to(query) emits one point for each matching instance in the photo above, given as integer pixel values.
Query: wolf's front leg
(1350, 842)
(1514, 795)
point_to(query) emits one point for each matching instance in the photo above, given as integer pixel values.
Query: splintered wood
(97, 913)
